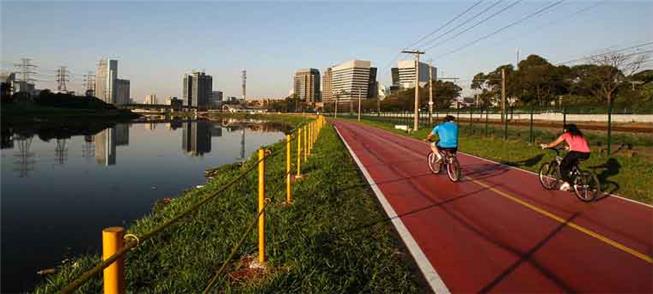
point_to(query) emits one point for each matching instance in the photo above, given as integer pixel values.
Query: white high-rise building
(350, 78)
(150, 99)
(108, 87)
(403, 76)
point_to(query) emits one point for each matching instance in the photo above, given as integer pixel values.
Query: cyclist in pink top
(578, 150)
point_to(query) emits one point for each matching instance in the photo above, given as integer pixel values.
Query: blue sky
(157, 42)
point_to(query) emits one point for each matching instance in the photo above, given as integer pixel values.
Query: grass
(333, 239)
(624, 174)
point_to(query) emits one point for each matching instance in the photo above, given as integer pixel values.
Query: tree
(605, 74)
(537, 81)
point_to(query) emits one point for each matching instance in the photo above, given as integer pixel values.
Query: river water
(58, 194)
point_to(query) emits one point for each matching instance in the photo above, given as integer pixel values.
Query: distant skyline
(157, 42)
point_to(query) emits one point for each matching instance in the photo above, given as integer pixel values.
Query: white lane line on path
(431, 275)
(516, 168)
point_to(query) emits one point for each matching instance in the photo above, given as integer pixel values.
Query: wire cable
(524, 18)
(476, 24)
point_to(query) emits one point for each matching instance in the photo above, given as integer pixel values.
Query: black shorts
(450, 149)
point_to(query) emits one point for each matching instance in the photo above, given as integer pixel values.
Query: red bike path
(498, 230)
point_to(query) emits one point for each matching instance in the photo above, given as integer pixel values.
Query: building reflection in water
(105, 147)
(106, 142)
(196, 137)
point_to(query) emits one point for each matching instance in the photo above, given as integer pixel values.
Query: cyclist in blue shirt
(447, 133)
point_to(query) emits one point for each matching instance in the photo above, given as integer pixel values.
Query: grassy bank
(622, 174)
(333, 239)
(18, 113)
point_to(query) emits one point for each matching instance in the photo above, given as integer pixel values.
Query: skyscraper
(350, 78)
(122, 92)
(108, 87)
(197, 88)
(403, 76)
(105, 80)
(307, 84)
(327, 85)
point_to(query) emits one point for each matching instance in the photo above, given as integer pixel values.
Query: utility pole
(62, 78)
(378, 105)
(359, 103)
(244, 77)
(503, 94)
(431, 91)
(417, 53)
(335, 102)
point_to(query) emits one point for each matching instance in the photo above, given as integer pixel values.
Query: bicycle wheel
(433, 165)
(587, 186)
(550, 175)
(453, 169)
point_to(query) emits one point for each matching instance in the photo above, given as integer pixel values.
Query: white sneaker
(565, 186)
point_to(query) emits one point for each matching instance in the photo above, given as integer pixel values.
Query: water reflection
(196, 139)
(61, 184)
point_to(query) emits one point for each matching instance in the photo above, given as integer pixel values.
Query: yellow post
(310, 138)
(261, 206)
(288, 188)
(299, 153)
(305, 143)
(114, 275)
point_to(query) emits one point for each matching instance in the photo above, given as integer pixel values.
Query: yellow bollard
(305, 143)
(288, 188)
(114, 275)
(310, 138)
(261, 206)
(299, 153)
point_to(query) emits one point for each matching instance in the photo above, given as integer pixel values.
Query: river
(58, 194)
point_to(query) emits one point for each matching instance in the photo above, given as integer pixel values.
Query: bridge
(155, 108)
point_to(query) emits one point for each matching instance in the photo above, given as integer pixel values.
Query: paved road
(498, 230)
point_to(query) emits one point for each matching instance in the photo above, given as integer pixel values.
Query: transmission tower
(244, 77)
(61, 151)
(89, 83)
(88, 147)
(24, 158)
(62, 77)
(25, 69)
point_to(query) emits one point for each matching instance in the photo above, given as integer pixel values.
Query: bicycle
(450, 161)
(586, 184)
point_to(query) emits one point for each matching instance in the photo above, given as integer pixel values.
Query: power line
(607, 52)
(446, 24)
(433, 32)
(476, 24)
(558, 20)
(539, 11)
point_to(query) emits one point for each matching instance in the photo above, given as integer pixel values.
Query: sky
(156, 42)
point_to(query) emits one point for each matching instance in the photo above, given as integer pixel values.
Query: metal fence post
(114, 275)
(564, 117)
(609, 128)
(261, 205)
(505, 128)
(288, 184)
(471, 119)
(487, 114)
(530, 136)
